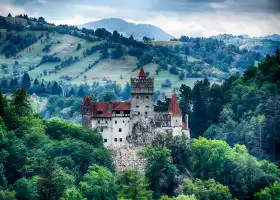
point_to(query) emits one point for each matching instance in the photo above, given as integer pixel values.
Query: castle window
(120, 139)
(105, 140)
(116, 122)
(116, 139)
(120, 130)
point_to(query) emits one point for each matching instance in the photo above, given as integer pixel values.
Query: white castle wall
(113, 130)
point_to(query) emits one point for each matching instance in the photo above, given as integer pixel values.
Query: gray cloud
(191, 17)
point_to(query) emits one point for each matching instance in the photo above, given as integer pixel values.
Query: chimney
(187, 121)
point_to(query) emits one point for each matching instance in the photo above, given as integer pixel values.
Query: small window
(98, 122)
(120, 130)
(106, 122)
(138, 113)
(176, 120)
(120, 139)
(116, 122)
(146, 113)
(105, 140)
(147, 106)
(137, 97)
(137, 106)
(101, 130)
(116, 139)
(100, 112)
(123, 121)
(147, 97)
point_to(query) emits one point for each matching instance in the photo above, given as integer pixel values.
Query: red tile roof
(105, 108)
(123, 106)
(142, 73)
(174, 107)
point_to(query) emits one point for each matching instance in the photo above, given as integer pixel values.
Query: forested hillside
(81, 56)
(239, 122)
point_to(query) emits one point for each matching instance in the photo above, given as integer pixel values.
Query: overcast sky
(177, 17)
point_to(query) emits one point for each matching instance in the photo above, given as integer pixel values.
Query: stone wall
(126, 157)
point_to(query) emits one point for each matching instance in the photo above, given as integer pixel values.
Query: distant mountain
(274, 37)
(126, 29)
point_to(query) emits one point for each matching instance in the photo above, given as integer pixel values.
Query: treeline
(18, 43)
(57, 160)
(46, 159)
(242, 110)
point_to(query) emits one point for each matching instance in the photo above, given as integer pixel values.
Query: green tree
(54, 180)
(7, 195)
(26, 189)
(269, 193)
(3, 180)
(133, 185)
(2, 104)
(160, 170)
(79, 46)
(98, 184)
(206, 190)
(21, 102)
(25, 81)
(72, 194)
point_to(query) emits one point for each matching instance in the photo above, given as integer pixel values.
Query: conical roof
(142, 73)
(174, 108)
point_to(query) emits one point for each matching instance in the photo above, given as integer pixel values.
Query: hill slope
(73, 56)
(126, 29)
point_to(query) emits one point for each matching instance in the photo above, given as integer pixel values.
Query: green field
(64, 46)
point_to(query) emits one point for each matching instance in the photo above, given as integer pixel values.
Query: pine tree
(25, 81)
(3, 180)
(13, 84)
(20, 100)
(56, 89)
(1, 104)
(36, 82)
(81, 92)
(72, 92)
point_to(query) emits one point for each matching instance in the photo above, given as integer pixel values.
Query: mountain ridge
(129, 28)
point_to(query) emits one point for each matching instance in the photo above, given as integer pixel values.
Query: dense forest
(233, 153)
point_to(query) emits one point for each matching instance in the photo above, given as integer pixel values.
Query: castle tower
(175, 112)
(142, 91)
(87, 113)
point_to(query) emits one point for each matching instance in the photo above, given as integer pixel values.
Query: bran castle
(133, 122)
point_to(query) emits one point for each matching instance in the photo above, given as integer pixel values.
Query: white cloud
(76, 20)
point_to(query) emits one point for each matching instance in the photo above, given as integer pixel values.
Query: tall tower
(87, 113)
(142, 91)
